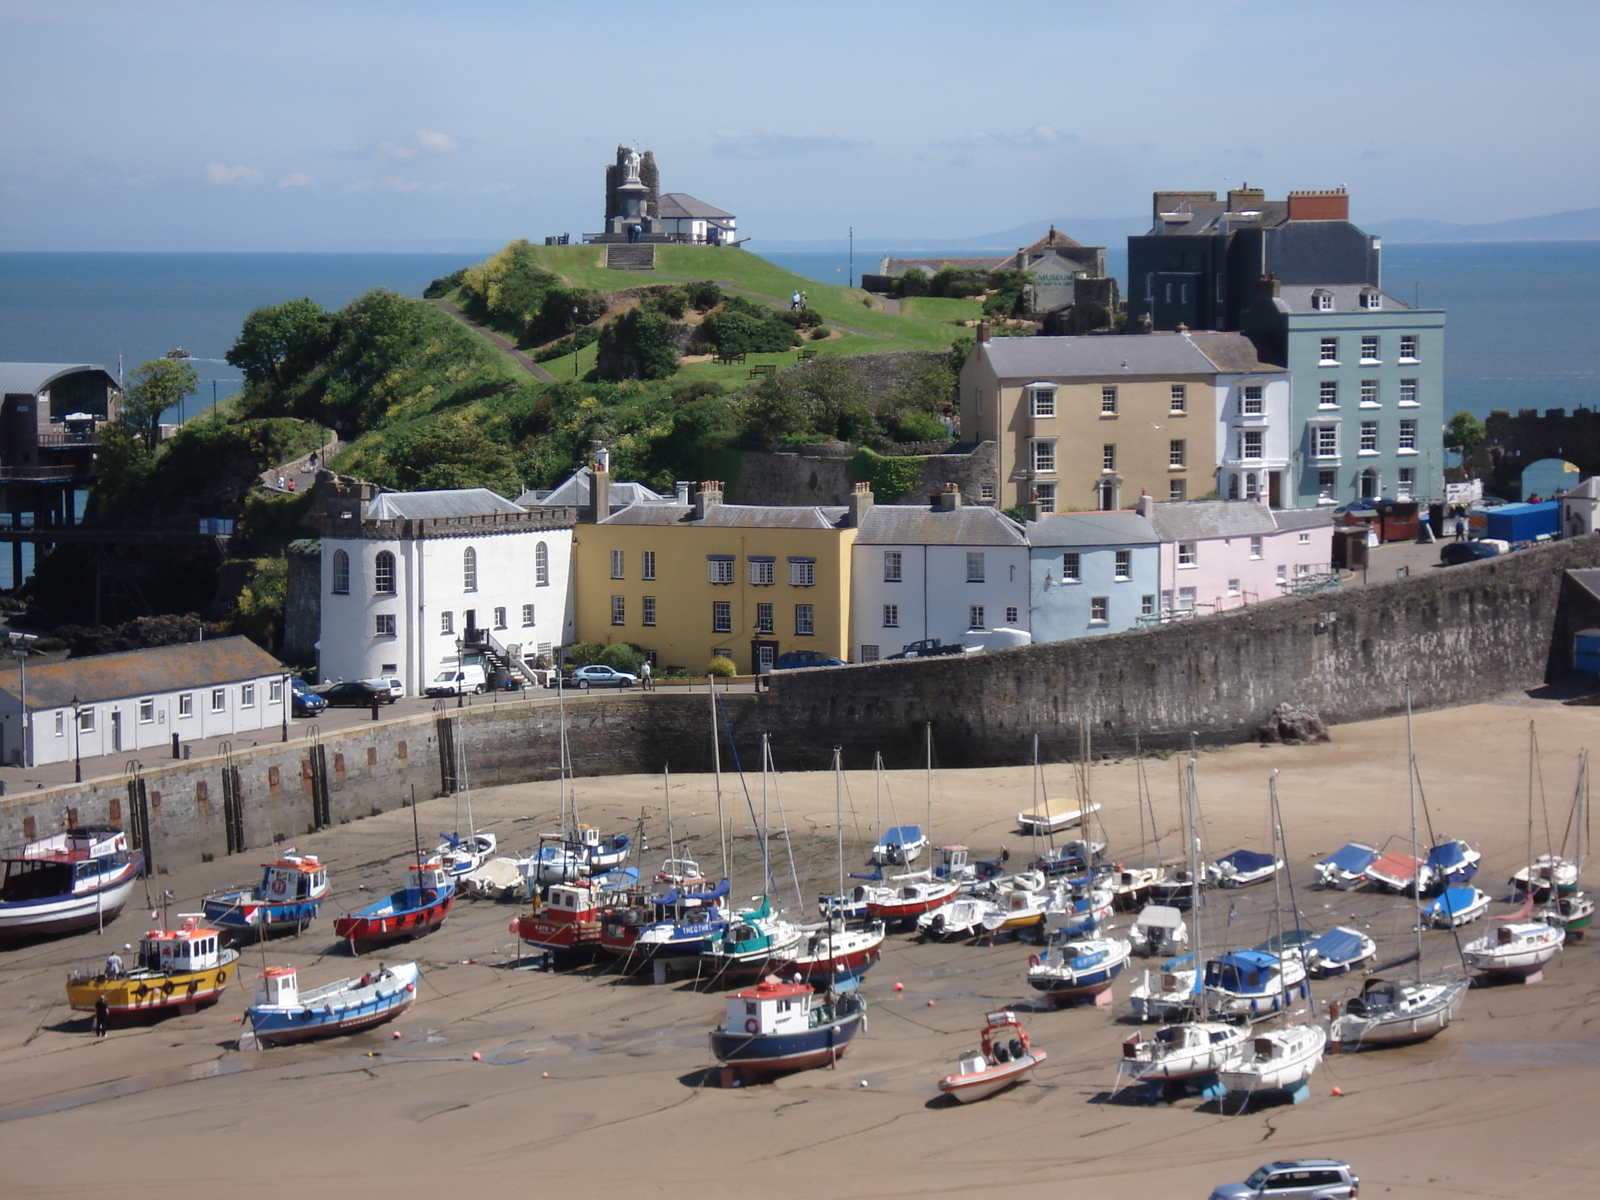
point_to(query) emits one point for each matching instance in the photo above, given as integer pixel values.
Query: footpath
(504, 343)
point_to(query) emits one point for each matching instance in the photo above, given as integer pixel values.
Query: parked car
(929, 648)
(303, 702)
(459, 680)
(1301, 1179)
(597, 675)
(1453, 554)
(805, 658)
(354, 693)
(393, 686)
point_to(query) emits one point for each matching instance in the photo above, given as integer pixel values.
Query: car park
(303, 702)
(1299, 1179)
(354, 693)
(1453, 554)
(805, 658)
(598, 675)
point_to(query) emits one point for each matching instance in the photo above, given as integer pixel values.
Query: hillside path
(522, 360)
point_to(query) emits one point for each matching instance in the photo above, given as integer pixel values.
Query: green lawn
(937, 308)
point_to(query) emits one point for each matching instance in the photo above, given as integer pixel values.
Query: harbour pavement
(505, 1078)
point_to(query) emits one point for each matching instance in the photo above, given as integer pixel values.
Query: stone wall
(1457, 635)
(767, 477)
(1515, 443)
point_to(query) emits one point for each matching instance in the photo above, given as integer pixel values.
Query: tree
(157, 386)
(450, 452)
(1466, 433)
(279, 335)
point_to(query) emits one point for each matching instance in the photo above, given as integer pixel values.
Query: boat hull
(147, 995)
(70, 913)
(240, 917)
(908, 909)
(1398, 1027)
(1185, 1061)
(982, 1084)
(548, 934)
(1248, 1076)
(853, 952)
(368, 928)
(760, 1056)
(346, 1013)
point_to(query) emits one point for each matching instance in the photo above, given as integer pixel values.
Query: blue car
(805, 658)
(303, 702)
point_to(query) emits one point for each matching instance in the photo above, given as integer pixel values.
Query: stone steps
(625, 257)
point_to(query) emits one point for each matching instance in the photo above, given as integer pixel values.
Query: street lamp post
(19, 646)
(288, 699)
(77, 742)
(461, 671)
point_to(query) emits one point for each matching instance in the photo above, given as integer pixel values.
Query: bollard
(175, 753)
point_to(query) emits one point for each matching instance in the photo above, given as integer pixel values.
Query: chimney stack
(682, 496)
(950, 498)
(983, 332)
(1146, 507)
(1144, 323)
(708, 497)
(859, 506)
(1319, 206)
(1246, 199)
(1269, 285)
(1035, 511)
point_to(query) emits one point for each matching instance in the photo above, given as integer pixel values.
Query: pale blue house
(1091, 573)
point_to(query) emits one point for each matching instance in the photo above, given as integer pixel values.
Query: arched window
(341, 573)
(383, 573)
(541, 565)
(469, 570)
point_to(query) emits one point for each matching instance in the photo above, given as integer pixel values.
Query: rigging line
(1427, 818)
(761, 834)
(788, 842)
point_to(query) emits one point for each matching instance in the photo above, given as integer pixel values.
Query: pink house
(1220, 554)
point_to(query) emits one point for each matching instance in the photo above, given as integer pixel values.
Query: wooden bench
(731, 356)
(760, 369)
(807, 355)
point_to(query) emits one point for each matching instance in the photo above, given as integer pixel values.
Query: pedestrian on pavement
(311, 464)
(644, 675)
(280, 481)
(291, 485)
(102, 1016)
(794, 301)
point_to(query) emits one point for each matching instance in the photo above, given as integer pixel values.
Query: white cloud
(219, 173)
(400, 183)
(436, 143)
(397, 151)
(1034, 138)
(297, 180)
(423, 141)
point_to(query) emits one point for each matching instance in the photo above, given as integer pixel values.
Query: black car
(1455, 553)
(355, 693)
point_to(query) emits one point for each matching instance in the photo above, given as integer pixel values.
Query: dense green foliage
(638, 345)
(890, 478)
(743, 327)
(1002, 290)
(1465, 432)
(511, 294)
(157, 386)
(277, 338)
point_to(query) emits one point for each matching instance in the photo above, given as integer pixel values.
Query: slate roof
(1346, 298)
(913, 525)
(575, 490)
(1205, 219)
(1303, 518)
(675, 206)
(1092, 529)
(732, 516)
(1097, 357)
(18, 378)
(1589, 489)
(1232, 352)
(134, 673)
(1197, 520)
(1588, 578)
(456, 502)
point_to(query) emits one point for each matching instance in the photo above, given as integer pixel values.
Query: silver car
(1301, 1179)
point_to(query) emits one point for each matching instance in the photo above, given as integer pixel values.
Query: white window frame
(619, 610)
(500, 617)
(721, 616)
(766, 617)
(1328, 394)
(1044, 494)
(185, 708)
(1013, 614)
(1188, 555)
(1122, 572)
(341, 573)
(1099, 610)
(1369, 438)
(447, 624)
(247, 695)
(1408, 436)
(975, 566)
(1041, 401)
(1322, 301)
(619, 564)
(719, 568)
(541, 565)
(1186, 599)
(1251, 442)
(1408, 394)
(805, 620)
(1179, 400)
(147, 711)
(891, 616)
(469, 570)
(383, 625)
(1071, 566)
(61, 722)
(1108, 458)
(802, 572)
(647, 610)
(1370, 394)
(975, 616)
(1108, 401)
(647, 564)
(275, 691)
(528, 621)
(1177, 453)
(893, 566)
(1042, 455)
(86, 720)
(1328, 352)
(1372, 342)
(763, 572)
(1413, 343)
(1252, 400)
(1324, 442)
(219, 700)
(1177, 490)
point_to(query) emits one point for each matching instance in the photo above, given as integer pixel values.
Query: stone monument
(632, 197)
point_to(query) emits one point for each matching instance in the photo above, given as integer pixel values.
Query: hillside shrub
(800, 318)
(637, 345)
(916, 426)
(442, 287)
(913, 283)
(890, 478)
(721, 667)
(746, 328)
(820, 333)
(703, 294)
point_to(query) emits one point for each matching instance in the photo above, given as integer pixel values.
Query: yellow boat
(181, 969)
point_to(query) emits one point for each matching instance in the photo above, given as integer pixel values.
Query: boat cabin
(174, 951)
(770, 1007)
(1243, 971)
(74, 861)
(682, 872)
(277, 987)
(430, 876)
(293, 878)
(570, 902)
(951, 862)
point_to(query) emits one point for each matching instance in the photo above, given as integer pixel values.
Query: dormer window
(1322, 300)
(1371, 298)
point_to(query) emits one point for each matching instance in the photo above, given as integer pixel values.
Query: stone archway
(1515, 443)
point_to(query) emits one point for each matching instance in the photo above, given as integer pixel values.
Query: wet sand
(1499, 1105)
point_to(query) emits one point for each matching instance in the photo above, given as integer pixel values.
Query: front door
(1275, 489)
(116, 730)
(762, 656)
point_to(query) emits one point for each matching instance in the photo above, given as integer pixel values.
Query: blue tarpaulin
(1245, 861)
(1338, 945)
(1352, 858)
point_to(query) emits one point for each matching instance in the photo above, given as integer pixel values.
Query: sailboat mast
(1277, 892)
(716, 774)
(666, 788)
(1194, 883)
(1530, 869)
(838, 811)
(1411, 787)
(927, 776)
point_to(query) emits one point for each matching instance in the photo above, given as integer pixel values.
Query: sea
(1523, 329)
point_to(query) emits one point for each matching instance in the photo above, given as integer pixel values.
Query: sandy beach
(589, 1080)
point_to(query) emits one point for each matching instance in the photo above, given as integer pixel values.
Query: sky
(343, 125)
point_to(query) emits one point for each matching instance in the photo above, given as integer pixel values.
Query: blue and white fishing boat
(283, 1014)
(1077, 857)
(600, 852)
(776, 1027)
(1456, 906)
(1337, 952)
(1072, 967)
(1252, 982)
(953, 862)
(1243, 868)
(72, 880)
(1345, 867)
(685, 922)
(418, 908)
(1076, 910)
(899, 844)
(1451, 862)
(462, 855)
(755, 941)
(286, 900)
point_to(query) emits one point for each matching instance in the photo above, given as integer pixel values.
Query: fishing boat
(1243, 868)
(908, 896)
(1398, 870)
(833, 954)
(957, 918)
(416, 909)
(1077, 967)
(176, 970)
(1455, 906)
(1004, 1057)
(283, 1014)
(1337, 952)
(1391, 1012)
(1451, 861)
(69, 881)
(1077, 857)
(1278, 1059)
(953, 862)
(600, 852)
(1517, 946)
(566, 917)
(685, 922)
(1253, 982)
(682, 873)
(286, 900)
(899, 844)
(1159, 932)
(777, 1027)
(555, 861)
(1345, 867)
(462, 855)
(1169, 994)
(755, 942)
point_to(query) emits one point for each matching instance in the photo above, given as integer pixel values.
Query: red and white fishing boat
(908, 896)
(1005, 1057)
(418, 908)
(833, 954)
(567, 918)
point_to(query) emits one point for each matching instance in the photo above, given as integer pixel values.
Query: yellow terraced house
(692, 581)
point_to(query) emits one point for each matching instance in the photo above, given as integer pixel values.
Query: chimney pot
(1146, 507)
(707, 498)
(950, 498)
(860, 504)
(983, 331)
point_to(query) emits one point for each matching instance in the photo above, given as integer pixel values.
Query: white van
(457, 680)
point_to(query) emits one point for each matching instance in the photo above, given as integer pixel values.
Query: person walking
(646, 678)
(794, 301)
(280, 481)
(113, 965)
(102, 1017)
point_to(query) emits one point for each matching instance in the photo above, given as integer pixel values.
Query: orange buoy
(1338, 1091)
(476, 1057)
(930, 1003)
(898, 986)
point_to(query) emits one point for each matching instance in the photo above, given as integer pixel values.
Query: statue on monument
(630, 165)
